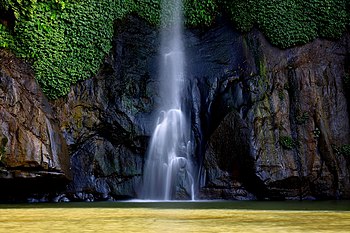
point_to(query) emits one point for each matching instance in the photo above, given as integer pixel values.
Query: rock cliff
(267, 123)
(33, 152)
(289, 115)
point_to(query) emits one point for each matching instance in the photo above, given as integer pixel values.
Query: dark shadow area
(228, 205)
(20, 190)
(7, 18)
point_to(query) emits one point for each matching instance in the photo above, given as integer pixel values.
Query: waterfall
(168, 167)
(53, 145)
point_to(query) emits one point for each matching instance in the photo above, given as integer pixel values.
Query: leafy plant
(281, 95)
(290, 22)
(6, 37)
(316, 132)
(147, 9)
(243, 13)
(301, 118)
(287, 142)
(200, 12)
(342, 150)
(66, 41)
(345, 150)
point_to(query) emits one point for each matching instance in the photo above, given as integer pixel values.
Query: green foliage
(290, 22)
(200, 12)
(21, 8)
(342, 150)
(302, 118)
(345, 150)
(67, 40)
(285, 23)
(287, 142)
(330, 16)
(6, 39)
(243, 13)
(147, 9)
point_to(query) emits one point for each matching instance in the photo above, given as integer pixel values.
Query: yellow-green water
(176, 217)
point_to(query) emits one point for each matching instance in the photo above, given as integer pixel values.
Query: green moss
(262, 67)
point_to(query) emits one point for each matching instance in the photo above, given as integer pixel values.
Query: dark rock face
(32, 152)
(266, 122)
(107, 120)
(246, 97)
(296, 94)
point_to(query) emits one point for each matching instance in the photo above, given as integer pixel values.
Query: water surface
(177, 217)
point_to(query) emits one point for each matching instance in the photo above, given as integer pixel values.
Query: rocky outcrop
(267, 123)
(289, 114)
(32, 151)
(107, 120)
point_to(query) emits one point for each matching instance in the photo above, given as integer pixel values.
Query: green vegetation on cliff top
(67, 40)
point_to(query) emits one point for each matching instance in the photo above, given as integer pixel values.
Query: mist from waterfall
(168, 167)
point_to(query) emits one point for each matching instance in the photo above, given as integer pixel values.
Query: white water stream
(168, 168)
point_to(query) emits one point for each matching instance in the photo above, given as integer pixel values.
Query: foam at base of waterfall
(168, 158)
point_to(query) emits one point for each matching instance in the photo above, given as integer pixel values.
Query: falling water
(53, 145)
(168, 169)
